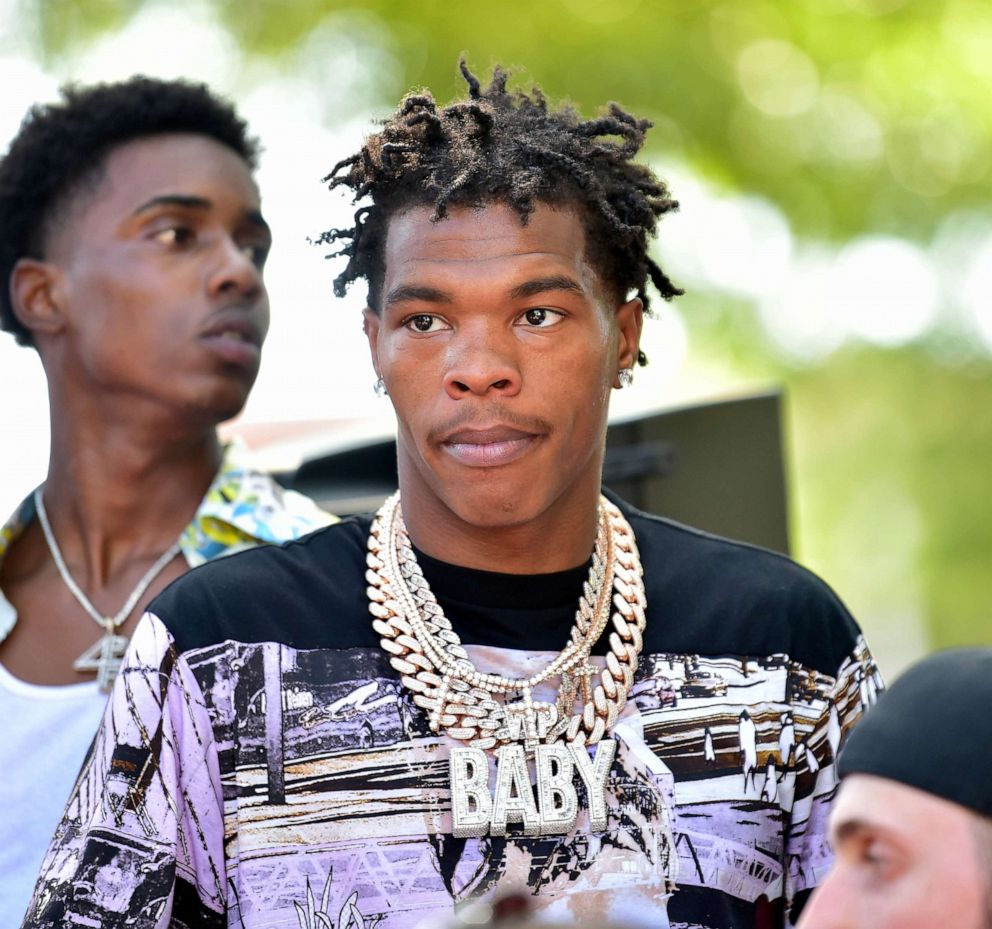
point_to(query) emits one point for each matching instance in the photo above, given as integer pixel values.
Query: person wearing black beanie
(912, 827)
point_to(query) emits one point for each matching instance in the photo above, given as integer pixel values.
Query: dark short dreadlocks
(508, 147)
(62, 147)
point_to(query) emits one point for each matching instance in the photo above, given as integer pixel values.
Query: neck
(116, 493)
(562, 537)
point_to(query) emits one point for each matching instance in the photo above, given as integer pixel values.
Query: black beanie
(932, 730)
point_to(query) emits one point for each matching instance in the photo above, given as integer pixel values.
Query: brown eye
(256, 254)
(176, 236)
(540, 317)
(423, 322)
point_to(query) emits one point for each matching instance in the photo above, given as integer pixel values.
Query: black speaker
(718, 467)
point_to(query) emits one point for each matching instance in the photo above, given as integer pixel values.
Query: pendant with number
(105, 657)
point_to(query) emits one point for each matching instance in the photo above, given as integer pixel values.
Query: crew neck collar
(495, 589)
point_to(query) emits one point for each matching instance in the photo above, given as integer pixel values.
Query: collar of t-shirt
(532, 611)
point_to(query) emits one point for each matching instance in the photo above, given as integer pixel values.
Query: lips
(490, 447)
(235, 340)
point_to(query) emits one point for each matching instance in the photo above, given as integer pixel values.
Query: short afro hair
(62, 146)
(512, 148)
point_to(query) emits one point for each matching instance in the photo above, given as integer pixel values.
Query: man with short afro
(132, 248)
(507, 680)
(61, 150)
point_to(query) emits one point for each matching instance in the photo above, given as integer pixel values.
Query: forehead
(489, 242)
(174, 160)
(883, 804)
(178, 163)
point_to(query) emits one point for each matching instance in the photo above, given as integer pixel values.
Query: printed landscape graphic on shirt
(262, 786)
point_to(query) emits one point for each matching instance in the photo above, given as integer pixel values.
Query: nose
(480, 364)
(234, 272)
(828, 907)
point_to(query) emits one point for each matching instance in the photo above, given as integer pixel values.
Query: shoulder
(269, 511)
(308, 593)
(244, 507)
(710, 595)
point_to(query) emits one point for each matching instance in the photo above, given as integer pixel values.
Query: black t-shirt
(259, 718)
(490, 608)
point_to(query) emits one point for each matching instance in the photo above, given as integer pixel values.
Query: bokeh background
(832, 158)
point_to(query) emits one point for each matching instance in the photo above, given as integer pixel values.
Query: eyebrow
(852, 830)
(195, 203)
(532, 288)
(409, 292)
(187, 202)
(542, 285)
(849, 829)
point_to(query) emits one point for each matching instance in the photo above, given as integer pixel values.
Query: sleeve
(808, 855)
(141, 842)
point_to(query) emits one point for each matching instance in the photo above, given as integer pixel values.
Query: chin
(218, 408)
(213, 396)
(223, 413)
(494, 507)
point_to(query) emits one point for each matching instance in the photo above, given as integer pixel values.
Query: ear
(371, 327)
(35, 296)
(629, 319)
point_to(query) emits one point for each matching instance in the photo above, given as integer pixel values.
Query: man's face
(905, 860)
(499, 348)
(158, 273)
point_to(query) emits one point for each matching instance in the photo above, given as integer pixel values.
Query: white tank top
(52, 725)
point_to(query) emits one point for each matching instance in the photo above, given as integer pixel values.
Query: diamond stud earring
(626, 377)
(380, 388)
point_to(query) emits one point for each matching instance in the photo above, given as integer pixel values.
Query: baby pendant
(475, 811)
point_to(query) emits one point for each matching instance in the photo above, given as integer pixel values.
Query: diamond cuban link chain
(462, 700)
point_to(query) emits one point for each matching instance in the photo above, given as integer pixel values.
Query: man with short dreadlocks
(507, 679)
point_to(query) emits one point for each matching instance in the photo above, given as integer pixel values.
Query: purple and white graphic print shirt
(260, 764)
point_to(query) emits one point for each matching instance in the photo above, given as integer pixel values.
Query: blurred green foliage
(892, 473)
(870, 113)
(852, 117)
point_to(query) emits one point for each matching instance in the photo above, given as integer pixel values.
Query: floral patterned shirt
(242, 508)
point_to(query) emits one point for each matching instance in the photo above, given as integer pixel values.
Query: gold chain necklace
(471, 706)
